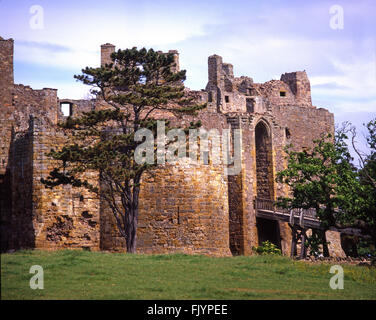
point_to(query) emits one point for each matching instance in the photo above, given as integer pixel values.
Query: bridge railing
(271, 205)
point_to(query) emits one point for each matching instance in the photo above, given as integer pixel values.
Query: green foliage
(325, 179)
(267, 247)
(314, 243)
(366, 217)
(366, 249)
(132, 88)
(322, 178)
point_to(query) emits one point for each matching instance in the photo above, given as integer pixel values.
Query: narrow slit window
(288, 133)
(250, 104)
(227, 99)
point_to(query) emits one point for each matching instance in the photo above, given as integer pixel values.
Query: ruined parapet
(40, 103)
(245, 86)
(6, 71)
(176, 68)
(74, 108)
(49, 102)
(106, 51)
(228, 77)
(225, 92)
(228, 94)
(300, 86)
(18, 102)
(276, 92)
(292, 90)
(215, 70)
(228, 70)
(220, 85)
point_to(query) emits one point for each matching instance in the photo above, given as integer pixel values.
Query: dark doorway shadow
(268, 230)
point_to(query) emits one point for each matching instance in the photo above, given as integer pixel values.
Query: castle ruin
(193, 208)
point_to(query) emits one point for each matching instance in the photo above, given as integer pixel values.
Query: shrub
(366, 249)
(267, 248)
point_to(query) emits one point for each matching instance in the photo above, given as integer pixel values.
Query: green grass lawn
(72, 274)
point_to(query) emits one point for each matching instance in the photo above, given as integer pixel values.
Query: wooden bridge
(300, 220)
(305, 218)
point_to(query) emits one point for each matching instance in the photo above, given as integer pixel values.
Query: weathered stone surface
(182, 209)
(334, 239)
(190, 208)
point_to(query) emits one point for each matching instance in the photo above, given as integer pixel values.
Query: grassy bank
(97, 275)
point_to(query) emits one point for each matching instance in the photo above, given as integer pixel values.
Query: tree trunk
(325, 248)
(131, 231)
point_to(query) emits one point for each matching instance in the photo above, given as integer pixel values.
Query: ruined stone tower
(191, 208)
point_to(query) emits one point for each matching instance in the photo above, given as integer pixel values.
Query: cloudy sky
(262, 39)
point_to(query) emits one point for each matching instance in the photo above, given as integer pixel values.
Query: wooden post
(325, 248)
(301, 217)
(291, 220)
(303, 249)
(293, 241)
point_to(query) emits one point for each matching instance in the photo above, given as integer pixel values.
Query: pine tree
(132, 88)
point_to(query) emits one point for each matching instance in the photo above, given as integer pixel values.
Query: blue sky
(262, 39)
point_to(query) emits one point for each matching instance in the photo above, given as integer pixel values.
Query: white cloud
(354, 106)
(355, 88)
(42, 55)
(125, 25)
(73, 90)
(263, 43)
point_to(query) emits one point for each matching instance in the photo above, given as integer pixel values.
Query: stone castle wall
(183, 208)
(191, 208)
(6, 71)
(64, 217)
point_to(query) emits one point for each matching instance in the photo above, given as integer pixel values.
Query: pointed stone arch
(266, 229)
(264, 160)
(265, 123)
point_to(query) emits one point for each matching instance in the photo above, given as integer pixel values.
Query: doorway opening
(264, 162)
(268, 230)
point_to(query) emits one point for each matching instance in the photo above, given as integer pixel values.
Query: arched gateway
(266, 229)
